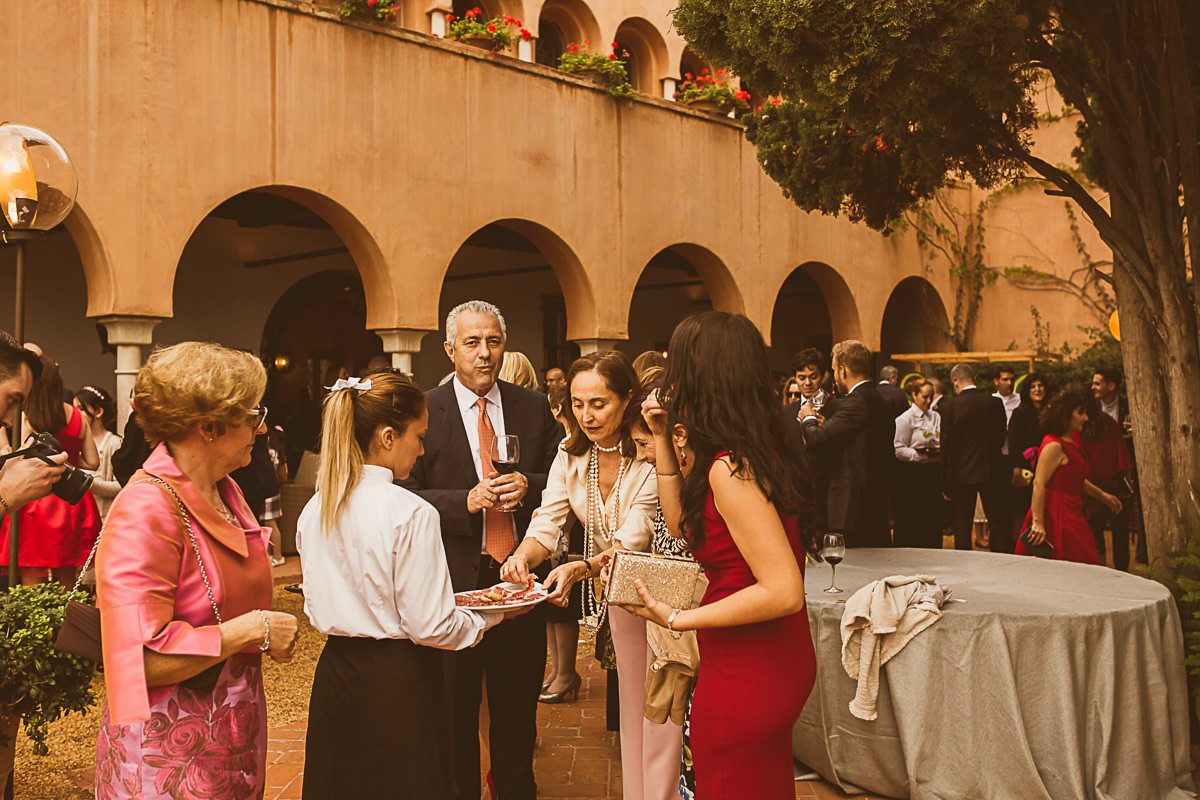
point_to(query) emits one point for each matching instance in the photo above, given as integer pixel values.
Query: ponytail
(352, 414)
(341, 457)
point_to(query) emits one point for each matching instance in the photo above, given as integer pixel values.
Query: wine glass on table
(833, 550)
(506, 455)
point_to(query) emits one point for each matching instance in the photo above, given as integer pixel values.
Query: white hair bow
(360, 384)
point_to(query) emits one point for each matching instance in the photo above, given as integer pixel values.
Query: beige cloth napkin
(879, 620)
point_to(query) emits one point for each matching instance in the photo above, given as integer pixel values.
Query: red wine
(505, 467)
(834, 560)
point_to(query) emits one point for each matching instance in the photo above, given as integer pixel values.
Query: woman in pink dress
(1055, 525)
(184, 591)
(56, 536)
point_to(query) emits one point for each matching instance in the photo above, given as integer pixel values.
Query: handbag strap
(187, 524)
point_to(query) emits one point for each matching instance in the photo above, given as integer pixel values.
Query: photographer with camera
(22, 480)
(57, 532)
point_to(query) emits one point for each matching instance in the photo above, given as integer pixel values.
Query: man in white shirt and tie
(1006, 379)
(484, 516)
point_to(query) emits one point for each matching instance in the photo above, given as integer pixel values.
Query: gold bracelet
(671, 623)
(674, 474)
(7, 507)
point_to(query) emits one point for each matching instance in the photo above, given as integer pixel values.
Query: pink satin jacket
(148, 585)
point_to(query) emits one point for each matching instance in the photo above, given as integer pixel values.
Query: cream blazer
(566, 494)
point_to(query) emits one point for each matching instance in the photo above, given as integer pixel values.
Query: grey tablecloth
(1053, 680)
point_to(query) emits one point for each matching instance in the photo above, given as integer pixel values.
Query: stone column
(595, 345)
(437, 19)
(525, 50)
(129, 335)
(668, 88)
(402, 343)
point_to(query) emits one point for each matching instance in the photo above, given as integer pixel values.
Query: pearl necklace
(600, 520)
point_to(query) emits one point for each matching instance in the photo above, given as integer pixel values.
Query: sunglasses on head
(256, 417)
(796, 395)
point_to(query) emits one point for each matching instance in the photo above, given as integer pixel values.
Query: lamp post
(37, 192)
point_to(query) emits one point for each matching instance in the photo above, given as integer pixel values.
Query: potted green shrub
(492, 35)
(382, 10)
(38, 684)
(710, 93)
(608, 71)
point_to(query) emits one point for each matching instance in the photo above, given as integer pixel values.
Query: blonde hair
(348, 421)
(191, 384)
(519, 370)
(854, 356)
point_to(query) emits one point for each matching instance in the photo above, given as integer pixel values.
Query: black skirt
(378, 723)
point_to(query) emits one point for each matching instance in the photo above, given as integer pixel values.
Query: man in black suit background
(808, 366)
(974, 428)
(483, 517)
(858, 441)
(889, 389)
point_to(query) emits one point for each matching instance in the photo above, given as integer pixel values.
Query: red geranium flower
(775, 100)
(449, 18)
(491, 28)
(473, 13)
(526, 35)
(687, 75)
(742, 95)
(612, 56)
(372, 3)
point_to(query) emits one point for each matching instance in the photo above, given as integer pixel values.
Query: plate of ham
(502, 597)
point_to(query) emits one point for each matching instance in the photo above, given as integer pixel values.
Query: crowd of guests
(662, 455)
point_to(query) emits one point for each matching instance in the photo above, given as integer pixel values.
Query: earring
(683, 459)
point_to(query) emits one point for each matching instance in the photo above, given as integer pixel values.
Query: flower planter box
(592, 75)
(482, 42)
(708, 107)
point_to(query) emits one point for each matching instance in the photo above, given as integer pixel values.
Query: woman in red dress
(56, 536)
(729, 481)
(1059, 485)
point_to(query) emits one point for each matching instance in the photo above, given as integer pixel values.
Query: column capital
(595, 345)
(123, 330)
(401, 340)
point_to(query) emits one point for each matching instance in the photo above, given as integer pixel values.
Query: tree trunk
(1162, 366)
(9, 728)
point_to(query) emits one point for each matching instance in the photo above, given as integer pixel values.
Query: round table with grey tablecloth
(1051, 680)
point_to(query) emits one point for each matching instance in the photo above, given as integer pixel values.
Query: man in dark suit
(889, 389)
(974, 428)
(484, 516)
(808, 366)
(858, 441)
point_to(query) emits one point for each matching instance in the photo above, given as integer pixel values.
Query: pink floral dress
(172, 742)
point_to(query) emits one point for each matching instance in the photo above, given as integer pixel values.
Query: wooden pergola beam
(987, 357)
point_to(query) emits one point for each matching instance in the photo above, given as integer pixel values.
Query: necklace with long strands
(600, 520)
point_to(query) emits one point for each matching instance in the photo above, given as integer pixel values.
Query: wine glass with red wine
(833, 550)
(506, 454)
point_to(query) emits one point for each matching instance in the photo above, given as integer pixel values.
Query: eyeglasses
(794, 395)
(257, 417)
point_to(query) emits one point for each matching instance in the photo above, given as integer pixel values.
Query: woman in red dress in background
(56, 536)
(1059, 484)
(729, 482)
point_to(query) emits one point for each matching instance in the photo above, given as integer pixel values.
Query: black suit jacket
(974, 428)
(446, 473)
(857, 442)
(895, 397)
(816, 459)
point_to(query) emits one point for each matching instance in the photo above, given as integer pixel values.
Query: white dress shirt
(1010, 404)
(1113, 409)
(381, 572)
(566, 493)
(911, 442)
(468, 406)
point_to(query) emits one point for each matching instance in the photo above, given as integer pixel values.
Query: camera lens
(73, 485)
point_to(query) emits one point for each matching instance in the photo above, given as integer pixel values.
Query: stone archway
(572, 23)
(647, 54)
(914, 320)
(813, 308)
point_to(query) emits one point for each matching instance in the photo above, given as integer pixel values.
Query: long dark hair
(44, 406)
(619, 377)
(99, 403)
(1099, 426)
(1028, 383)
(718, 385)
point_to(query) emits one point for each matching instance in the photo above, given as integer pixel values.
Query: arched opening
(551, 44)
(57, 297)
(914, 321)
(646, 54)
(266, 271)
(690, 64)
(570, 22)
(679, 281)
(461, 7)
(814, 308)
(532, 276)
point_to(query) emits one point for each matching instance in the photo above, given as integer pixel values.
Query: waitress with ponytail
(376, 583)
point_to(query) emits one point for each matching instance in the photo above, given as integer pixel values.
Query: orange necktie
(497, 525)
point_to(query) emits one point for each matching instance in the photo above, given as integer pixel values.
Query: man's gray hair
(962, 372)
(475, 307)
(888, 372)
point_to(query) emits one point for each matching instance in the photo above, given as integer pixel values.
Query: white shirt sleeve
(903, 439)
(424, 597)
(548, 520)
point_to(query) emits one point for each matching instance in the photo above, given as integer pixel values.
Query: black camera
(74, 483)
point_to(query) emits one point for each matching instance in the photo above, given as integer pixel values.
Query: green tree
(886, 101)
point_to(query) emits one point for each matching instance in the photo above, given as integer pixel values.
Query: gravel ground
(72, 740)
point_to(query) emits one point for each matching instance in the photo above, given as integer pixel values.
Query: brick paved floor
(576, 757)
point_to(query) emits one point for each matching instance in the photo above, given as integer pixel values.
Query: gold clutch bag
(671, 579)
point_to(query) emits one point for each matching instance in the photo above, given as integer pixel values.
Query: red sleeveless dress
(1067, 529)
(752, 684)
(54, 533)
